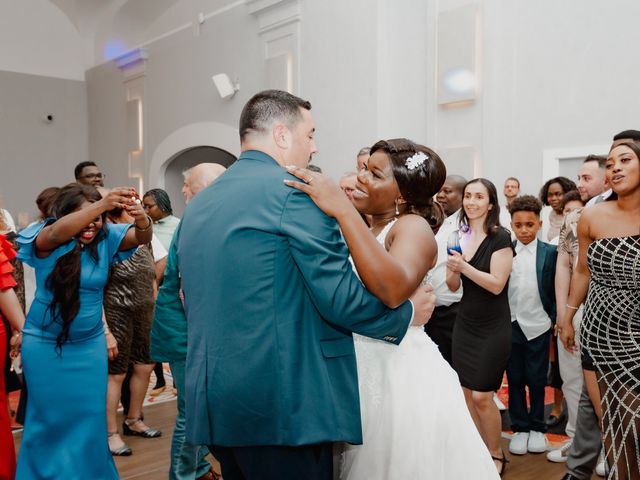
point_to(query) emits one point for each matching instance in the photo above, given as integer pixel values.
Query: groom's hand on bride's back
(424, 301)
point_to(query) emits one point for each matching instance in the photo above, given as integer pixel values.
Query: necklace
(376, 229)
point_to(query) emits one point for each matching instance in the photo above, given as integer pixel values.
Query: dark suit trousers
(309, 462)
(527, 367)
(440, 329)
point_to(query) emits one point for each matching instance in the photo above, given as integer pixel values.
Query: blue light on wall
(113, 48)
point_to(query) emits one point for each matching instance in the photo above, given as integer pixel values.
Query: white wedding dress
(415, 422)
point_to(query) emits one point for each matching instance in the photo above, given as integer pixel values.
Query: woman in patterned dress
(128, 308)
(608, 275)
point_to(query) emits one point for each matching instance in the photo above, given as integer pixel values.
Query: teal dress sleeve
(27, 246)
(115, 235)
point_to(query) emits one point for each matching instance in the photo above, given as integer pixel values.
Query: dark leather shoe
(554, 420)
(568, 476)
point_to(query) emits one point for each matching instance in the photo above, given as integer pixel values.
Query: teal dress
(65, 430)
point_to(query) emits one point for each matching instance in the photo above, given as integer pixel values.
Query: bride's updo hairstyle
(419, 173)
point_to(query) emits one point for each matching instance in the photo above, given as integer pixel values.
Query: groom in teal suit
(271, 300)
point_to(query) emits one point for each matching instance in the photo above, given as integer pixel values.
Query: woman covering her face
(64, 351)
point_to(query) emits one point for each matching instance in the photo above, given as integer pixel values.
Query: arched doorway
(184, 160)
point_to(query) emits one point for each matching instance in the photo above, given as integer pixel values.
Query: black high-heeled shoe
(123, 451)
(148, 433)
(503, 461)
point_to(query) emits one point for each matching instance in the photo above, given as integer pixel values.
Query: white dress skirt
(415, 421)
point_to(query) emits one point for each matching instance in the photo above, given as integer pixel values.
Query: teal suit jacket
(169, 327)
(271, 300)
(546, 258)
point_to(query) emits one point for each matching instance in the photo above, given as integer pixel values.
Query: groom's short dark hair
(265, 107)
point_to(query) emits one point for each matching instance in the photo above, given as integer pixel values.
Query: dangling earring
(397, 211)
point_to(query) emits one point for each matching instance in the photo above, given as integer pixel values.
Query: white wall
(364, 69)
(42, 64)
(402, 69)
(360, 90)
(139, 22)
(179, 95)
(35, 154)
(568, 79)
(554, 75)
(338, 76)
(37, 38)
(106, 99)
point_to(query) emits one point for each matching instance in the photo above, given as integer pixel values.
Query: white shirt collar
(453, 217)
(532, 247)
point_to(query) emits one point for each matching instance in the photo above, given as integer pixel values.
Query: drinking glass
(453, 242)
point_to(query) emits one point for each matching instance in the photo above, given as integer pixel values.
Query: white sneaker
(498, 403)
(518, 443)
(559, 455)
(601, 469)
(537, 442)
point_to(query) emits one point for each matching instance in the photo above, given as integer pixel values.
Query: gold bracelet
(572, 307)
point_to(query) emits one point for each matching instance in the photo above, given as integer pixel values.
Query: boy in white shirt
(533, 307)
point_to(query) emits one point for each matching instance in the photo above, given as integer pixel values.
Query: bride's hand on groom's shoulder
(424, 301)
(325, 193)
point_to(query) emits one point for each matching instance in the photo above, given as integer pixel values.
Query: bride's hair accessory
(415, 160)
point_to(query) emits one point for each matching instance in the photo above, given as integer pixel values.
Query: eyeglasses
(94, 176)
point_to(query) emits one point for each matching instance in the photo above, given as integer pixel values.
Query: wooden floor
(150, 459)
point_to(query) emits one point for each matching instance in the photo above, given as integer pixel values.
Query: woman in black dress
(482, 332)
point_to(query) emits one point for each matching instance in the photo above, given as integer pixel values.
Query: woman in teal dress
(64, 352)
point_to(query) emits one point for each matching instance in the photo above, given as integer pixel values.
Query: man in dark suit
(271, 300)
(533, 309)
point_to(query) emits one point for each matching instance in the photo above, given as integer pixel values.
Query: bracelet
(145, 228)
(572, 307)
(17, 333)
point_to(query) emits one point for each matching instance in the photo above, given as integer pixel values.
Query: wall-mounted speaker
(225, 87)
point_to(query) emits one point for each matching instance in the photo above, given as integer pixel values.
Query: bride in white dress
(415, 422)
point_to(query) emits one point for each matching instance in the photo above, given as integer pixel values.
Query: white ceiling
(98, 20)
(80, 34)
(87, 15)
